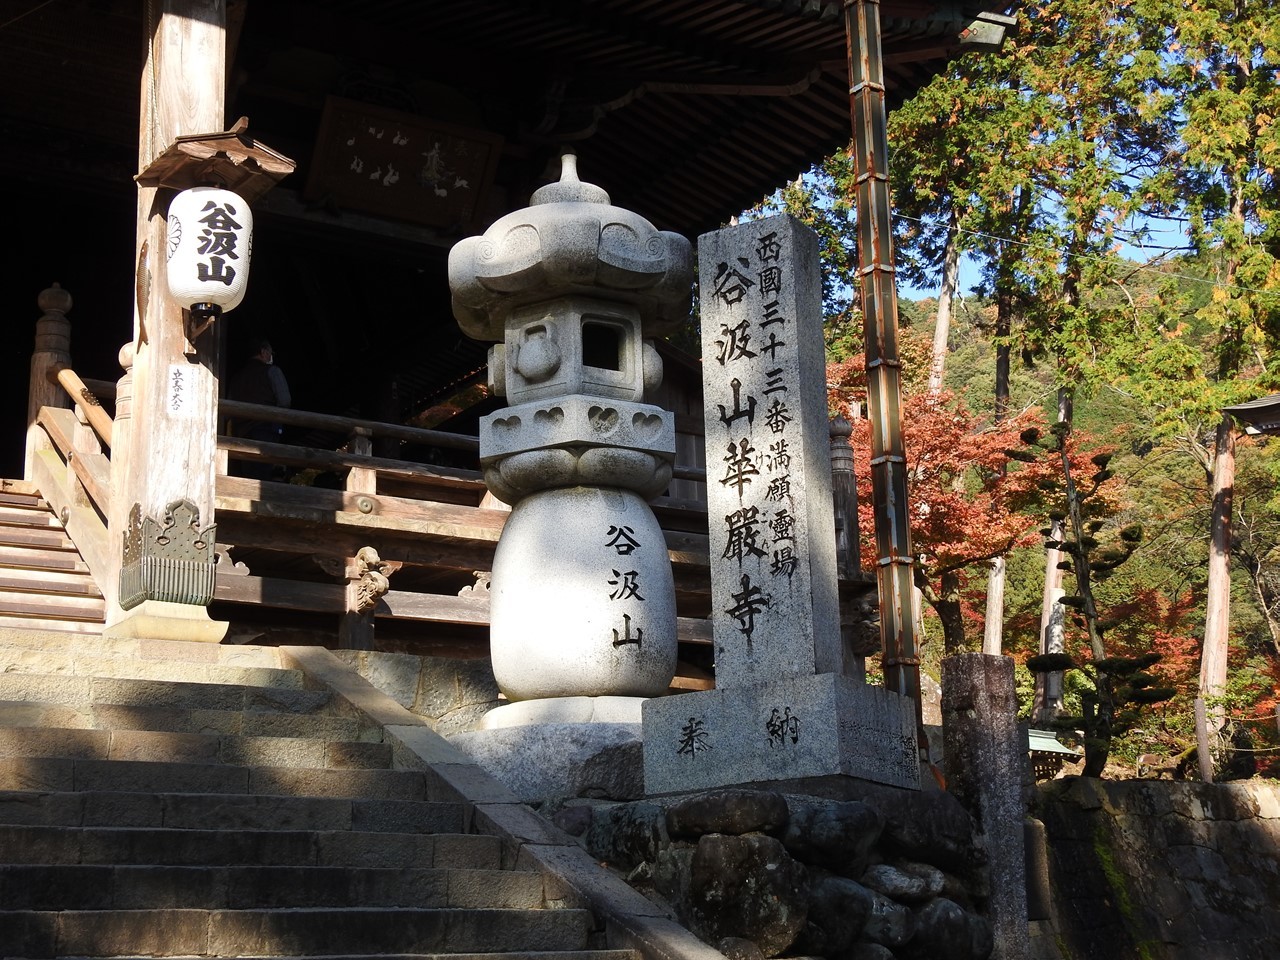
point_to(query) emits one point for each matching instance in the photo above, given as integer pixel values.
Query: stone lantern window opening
(601, 345)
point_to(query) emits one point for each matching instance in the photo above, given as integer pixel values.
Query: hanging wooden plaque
(401, 165)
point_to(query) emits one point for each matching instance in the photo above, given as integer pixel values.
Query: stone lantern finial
(568, 189)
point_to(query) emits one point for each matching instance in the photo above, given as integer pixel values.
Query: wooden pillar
(52, 350)
(844, 489)
(844, 492)
(879, 299)
(166, 477)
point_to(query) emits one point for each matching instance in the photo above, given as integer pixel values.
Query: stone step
(108, 665)
(260, 723)
(108, 887)
(97, 808)
(229, 654)
(147, 846)
(130, 692)
(133, 776)
(240, 933)
(166, 747)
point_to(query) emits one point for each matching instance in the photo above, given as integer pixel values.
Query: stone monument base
(564, 710)
(162, 620)
(556, 761)
(796, 727)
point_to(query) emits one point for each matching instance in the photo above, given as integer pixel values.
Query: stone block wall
(1160, 870)
(452, 693)
(878, 874)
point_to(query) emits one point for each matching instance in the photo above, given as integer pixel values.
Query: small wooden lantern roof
(232, 160)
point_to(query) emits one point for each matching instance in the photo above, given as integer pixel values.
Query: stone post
(783, 707)
(52, 350)
(985, 758)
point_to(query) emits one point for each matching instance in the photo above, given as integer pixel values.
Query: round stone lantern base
(582, 602)
(610, 710)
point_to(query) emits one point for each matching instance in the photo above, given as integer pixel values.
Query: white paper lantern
(210, 241)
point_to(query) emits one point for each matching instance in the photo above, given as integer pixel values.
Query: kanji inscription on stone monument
(774, 608)
(769, 489)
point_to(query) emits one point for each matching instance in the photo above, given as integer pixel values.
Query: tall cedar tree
(1220, 62)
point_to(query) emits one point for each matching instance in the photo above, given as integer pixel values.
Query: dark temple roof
(685, 110)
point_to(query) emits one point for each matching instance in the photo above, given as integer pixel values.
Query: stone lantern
(569, 290)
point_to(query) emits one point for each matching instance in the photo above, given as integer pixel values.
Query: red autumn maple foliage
(968, 500)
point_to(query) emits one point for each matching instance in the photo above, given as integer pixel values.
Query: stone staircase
(194, 800)
(44, 583)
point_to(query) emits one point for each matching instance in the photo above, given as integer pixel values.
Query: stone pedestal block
(986, 758)
(546, 760)
(582, 602)
(565, 710)
(161, 620)
(794, 727)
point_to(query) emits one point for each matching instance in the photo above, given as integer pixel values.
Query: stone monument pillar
(782, 708)
(582, 603)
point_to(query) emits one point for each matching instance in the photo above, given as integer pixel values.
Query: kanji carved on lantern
(582, 601)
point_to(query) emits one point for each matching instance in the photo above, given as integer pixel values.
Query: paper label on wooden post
(181, 392)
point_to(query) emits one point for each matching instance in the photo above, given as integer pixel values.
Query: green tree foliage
(1096, 120)
(1118, 686)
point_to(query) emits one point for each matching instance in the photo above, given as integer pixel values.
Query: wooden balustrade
(85, 400)
(435, 524)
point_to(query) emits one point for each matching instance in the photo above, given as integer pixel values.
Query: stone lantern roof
(570, 239)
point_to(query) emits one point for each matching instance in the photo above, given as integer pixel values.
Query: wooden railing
(288, 546)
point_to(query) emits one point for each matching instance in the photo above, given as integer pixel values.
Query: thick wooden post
(844, 489)
(844, 492)
(52, 350)
(166, 479)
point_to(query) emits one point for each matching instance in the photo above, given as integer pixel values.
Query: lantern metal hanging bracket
(196, 320)
(232, 159)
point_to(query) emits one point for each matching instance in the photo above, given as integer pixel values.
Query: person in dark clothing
(259, 381)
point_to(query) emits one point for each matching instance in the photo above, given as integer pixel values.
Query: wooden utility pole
(163, 463)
